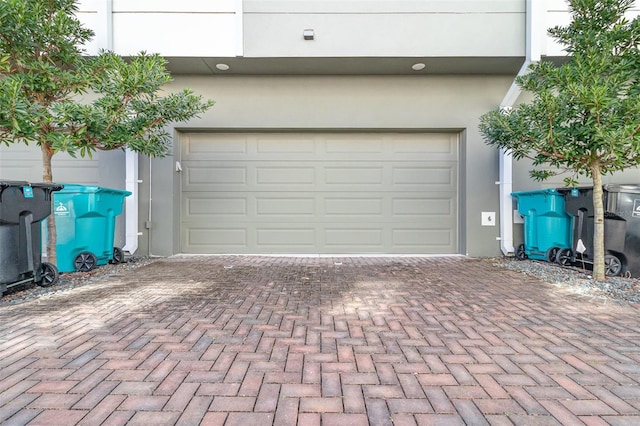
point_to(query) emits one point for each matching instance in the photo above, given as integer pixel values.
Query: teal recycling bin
(547, 226)
(85, 224)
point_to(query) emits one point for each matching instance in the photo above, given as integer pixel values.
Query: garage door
(307, 193)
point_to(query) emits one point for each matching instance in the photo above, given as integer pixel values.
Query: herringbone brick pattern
(319, 341)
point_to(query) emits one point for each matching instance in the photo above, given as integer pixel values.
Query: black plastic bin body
(621, 223)
(23, 206)
(622, 204)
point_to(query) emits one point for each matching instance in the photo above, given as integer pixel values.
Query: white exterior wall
(168, 27)
(231, 28)
(557, 14)
(273, 28)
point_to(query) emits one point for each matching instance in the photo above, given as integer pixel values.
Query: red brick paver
(242, 340)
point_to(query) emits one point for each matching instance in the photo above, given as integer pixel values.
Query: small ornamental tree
(43, 72)
(585, 114)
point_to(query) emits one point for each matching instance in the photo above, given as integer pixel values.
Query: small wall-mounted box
(488, 218)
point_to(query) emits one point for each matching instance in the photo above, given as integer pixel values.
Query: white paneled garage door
(319, 193)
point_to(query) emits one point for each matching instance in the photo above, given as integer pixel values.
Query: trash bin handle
(26, 221)
(580, 222)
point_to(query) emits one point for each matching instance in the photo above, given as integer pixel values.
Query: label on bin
(636, 208)
(27, 191)
(61, 210)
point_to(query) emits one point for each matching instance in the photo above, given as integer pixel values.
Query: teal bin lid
(550, 191)
(84, 199)
(544, 202)
(73, 188)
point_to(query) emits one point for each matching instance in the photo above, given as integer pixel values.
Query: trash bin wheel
(612, 265)
(564, 256)
(520, 253)
(85, 261)
(551, 254)
(118, 255)
(48, 275)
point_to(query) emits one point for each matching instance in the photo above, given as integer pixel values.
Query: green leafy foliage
(585, 113)
(130, 111)
(43, 69)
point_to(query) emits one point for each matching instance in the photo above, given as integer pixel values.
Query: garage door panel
(435, 176)
(285, 175)
(424, 207)
(410, 239)
(347, 176)
(327, 206)
(287, 238)
(431, 147)
(258, 176)
(237, 207)
(211, 238)
(266, 145)
(319, 193)
(200, 146)
(202, 175)
(348, 206)
(281, 207)
(341, 239)
(218, 176)
(211, 208)
(344, 148)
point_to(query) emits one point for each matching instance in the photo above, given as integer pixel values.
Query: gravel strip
(575, 279)
(69, 281)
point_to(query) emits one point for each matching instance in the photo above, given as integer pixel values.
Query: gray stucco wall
(319, 103)
(104, 168)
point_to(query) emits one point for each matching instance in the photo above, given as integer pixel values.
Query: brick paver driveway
(308, 341)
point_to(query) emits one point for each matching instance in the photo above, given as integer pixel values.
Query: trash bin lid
(80, 189)
(18, 183)
(47, 185)
(21, 183)
(579, 188)
(549, 191)
(4, 184)
(74, 188)
(627, 188)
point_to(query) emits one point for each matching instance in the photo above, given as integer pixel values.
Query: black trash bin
(23, 206)
(621, 228)
(622, 205)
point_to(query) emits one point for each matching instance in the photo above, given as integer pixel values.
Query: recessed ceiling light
(222, 67)
(418, 67)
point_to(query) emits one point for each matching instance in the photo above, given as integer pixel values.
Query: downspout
(131, 167)
(131, 202)
(534, 24)
(109, 22)
(131, 163)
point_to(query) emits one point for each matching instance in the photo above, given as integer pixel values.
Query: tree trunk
(598, 225)
(47, 176)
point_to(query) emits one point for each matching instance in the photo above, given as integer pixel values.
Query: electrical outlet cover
(488, 218)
